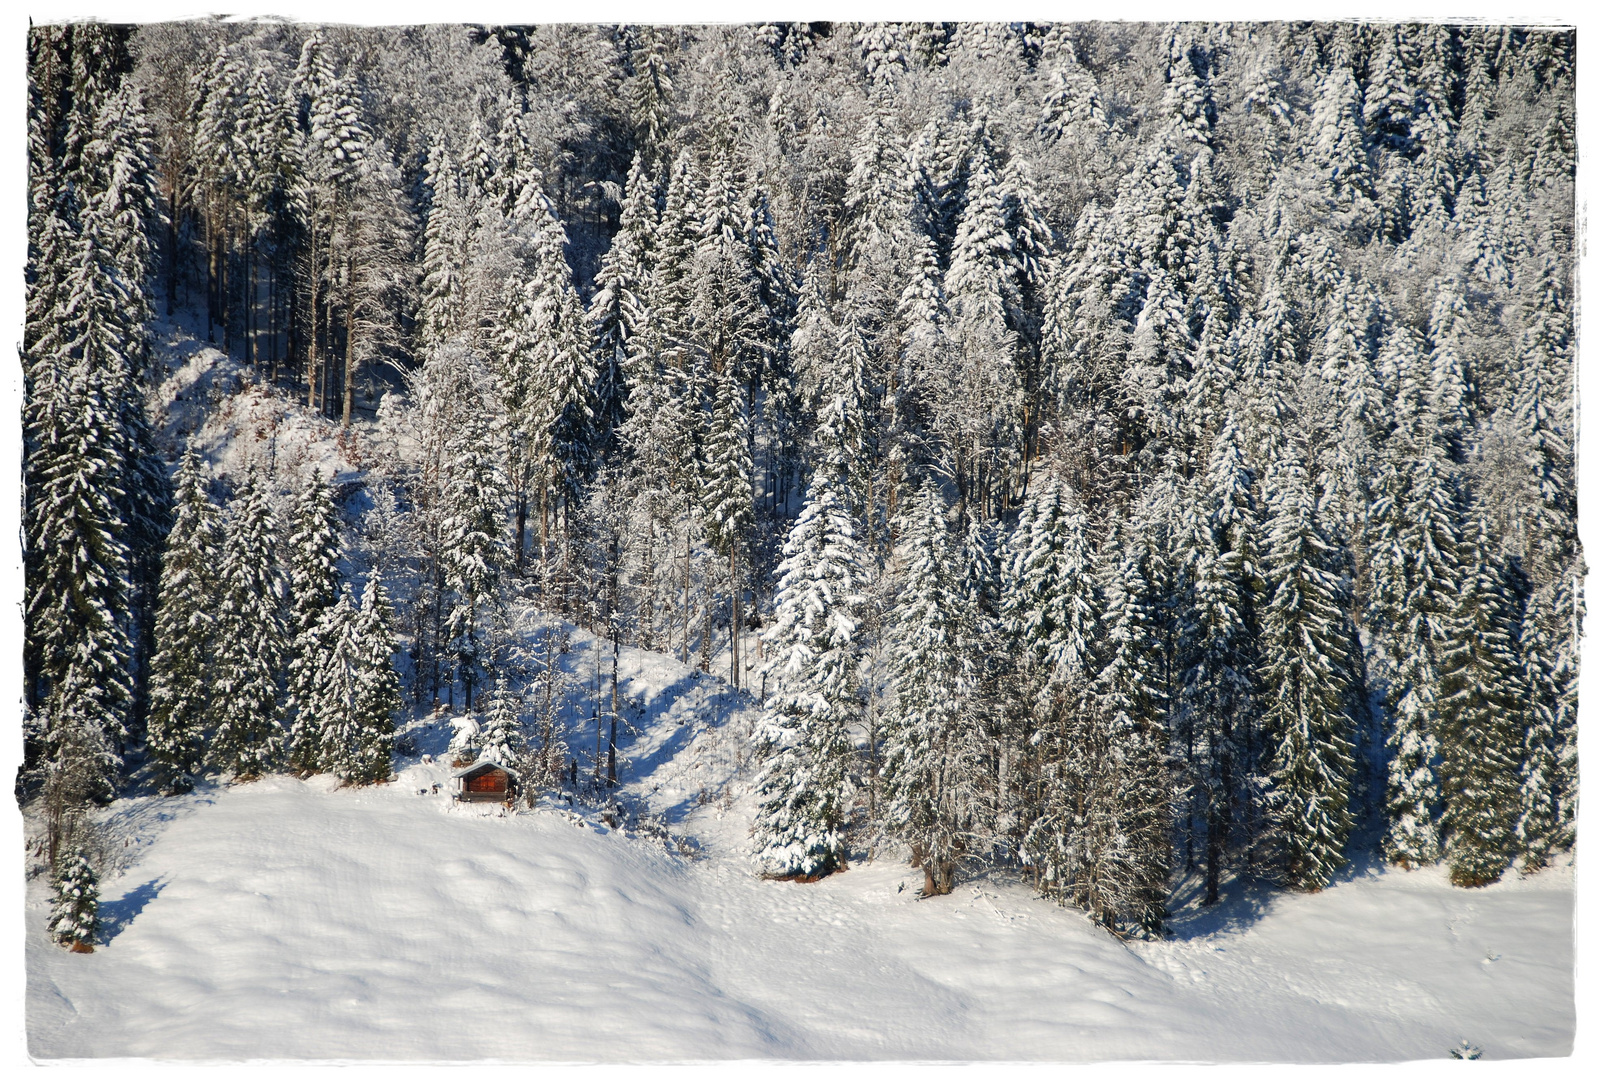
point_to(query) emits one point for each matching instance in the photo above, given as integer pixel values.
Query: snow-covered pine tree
(471, 545)
(1482, 715)
(1048, 586)
(980, 407)
(77, 560)
(1122, 840)
(75, 907)
(250, 639)
(803, 739)
(1537, 830)
(313, 589)
(934, 743)
(1047, 614)
(550, 374)
(1336, 150)
(327, 719)
(1309, 690)
(1413, 536)
(1217, 711)
(726, 501)
(375, 688)
(183, 669)
(446, 237)
(617, 311)
(501, 737)
(357, 691)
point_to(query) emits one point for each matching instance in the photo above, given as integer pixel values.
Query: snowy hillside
(289, 919)
(978, 541)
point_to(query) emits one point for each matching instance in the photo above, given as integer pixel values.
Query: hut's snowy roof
(483, 765)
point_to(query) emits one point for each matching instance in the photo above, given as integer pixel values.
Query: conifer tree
(1414, 567)
(622, 284)
(1482, 714)
(803, 740)
(1123, 847)
(75, 909)
(1048, 585)
(1217, 708)
(250, 639)
(471, 545)
(375, 697)
(501, 737)
(183, 670)
(77, 647)
(934, 746)
(1537, 832)
(1307, 673)
(313, 589)
(357, 691)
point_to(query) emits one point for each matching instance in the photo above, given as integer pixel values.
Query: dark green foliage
(1482, 717)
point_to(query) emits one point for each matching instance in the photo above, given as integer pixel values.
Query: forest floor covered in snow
(289, 919)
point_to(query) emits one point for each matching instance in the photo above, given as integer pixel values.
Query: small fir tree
(75, 910)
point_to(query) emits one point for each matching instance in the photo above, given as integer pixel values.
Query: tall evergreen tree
(1307, 670)
(250, 639)
(934, 748)
(803, 740)
(183, 671)
(313, 590)
(1482, 717)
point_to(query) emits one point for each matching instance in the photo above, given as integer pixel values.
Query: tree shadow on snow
(116, 915)
(1241, 904)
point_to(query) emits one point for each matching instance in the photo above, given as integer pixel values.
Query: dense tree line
(1142, 449)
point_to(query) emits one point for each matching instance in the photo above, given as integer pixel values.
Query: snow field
(293, 920)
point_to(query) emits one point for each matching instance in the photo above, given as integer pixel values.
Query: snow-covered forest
(1103, 453)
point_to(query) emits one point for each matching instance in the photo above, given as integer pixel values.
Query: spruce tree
(1124, 833)
(77, 645)
(803, 740)
(75, 909)
(501, 737)
(1216, 713)
(1482, 717)
(1413, 561)
(1307, 675)
(375, 687)
(357, 691)
(183, 670)
(313, 589)
(250, 639)
(1537, 832)
(934, 745)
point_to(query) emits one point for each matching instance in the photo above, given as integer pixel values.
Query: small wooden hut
(486, 781)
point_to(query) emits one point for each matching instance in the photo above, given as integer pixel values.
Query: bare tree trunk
(733, 612)
(311, 341)
(522, 525)
(350, 344)
(611, 750)
(272, 317)
(686, 594)
(172, 248)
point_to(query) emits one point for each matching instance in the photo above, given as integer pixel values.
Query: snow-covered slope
(288, 919)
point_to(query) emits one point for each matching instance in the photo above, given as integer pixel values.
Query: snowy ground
(290, 920)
